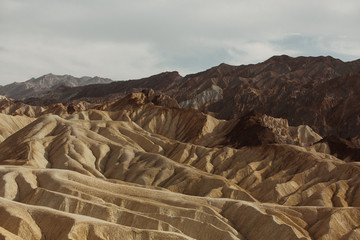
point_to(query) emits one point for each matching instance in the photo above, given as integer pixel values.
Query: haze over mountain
(194, 157)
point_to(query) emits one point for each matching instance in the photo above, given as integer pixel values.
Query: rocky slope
(143, 168)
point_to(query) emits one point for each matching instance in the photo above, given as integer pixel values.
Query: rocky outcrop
(256, 129)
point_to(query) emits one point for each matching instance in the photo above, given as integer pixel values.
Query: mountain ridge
(299, 89)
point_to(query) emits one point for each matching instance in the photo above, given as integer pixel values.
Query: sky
(131, 39)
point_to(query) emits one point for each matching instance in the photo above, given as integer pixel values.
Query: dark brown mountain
(322, 92)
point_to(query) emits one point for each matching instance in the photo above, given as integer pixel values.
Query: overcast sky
(129, 39)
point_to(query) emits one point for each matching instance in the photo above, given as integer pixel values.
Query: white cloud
(253, 52)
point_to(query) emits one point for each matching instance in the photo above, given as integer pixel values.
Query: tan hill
(143, 168)
(17, 108)
(11, 124)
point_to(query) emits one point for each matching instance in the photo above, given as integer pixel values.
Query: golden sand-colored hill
(131, 169)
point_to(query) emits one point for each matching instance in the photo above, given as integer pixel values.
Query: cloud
(253, 52)
(130, 39)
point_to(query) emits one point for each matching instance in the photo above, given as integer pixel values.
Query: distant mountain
(37, 86)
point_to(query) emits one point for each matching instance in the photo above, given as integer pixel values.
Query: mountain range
(321, 92)
(262, 151)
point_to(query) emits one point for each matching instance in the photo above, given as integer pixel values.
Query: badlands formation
(141, 167)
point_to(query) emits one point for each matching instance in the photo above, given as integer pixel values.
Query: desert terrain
(267, 151)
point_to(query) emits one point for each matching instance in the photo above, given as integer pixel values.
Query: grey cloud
(157, 35)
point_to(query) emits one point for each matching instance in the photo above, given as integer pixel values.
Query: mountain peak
(280, 58)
